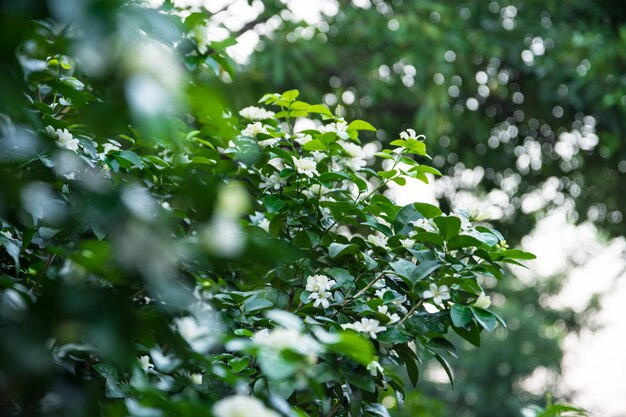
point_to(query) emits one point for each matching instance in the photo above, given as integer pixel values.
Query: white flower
(380, 293)
(65, 139)
(200, 34)
(318, 155)
(242, 406)
(256, 217)
(366, 326)
(268, 142)
(281, 339)
(144, 362)
(109, 147)
(197, 334)
(321, 298)
(315, 190)
(264, 224)
(254, 129)
(407, 243)
(374, 368)
(256, 113)
(410, 134)
(302, 139)
(306, 166)
(319, 283)
(356, 159)
(438, 294)
(196, 379)
(426, 224)
(340, 128)
(352, 149)
(259, 219)
(393, 318)
(378, 239)
(273, 181)
(355, 163)
(204, 35)
(483, 301)
(399, 303)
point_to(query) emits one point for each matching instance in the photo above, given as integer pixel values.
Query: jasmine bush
(197, 263)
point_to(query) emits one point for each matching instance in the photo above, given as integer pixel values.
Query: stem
(358, 294)
(45, 268)
(383, 183)
(367, 287)
(54, 101)
(411, 311)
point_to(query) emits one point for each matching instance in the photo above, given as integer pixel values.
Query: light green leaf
(290, 95)
(360, 125)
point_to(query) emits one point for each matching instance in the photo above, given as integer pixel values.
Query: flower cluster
(319, 286)
(369, 327)
(64, 138)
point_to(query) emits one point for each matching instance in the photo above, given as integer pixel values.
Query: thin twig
(411, 311)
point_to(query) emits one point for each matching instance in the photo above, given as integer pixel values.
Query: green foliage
(162, 256)
(528, 94)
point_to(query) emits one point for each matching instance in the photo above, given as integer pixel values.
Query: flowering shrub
(223, 266)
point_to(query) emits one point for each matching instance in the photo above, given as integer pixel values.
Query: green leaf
(446, 367)
(314, 145)
(290, 95)
(463, 241)
(203, 161)
(460, 315)
(131, 157)
(517, 254)
(353, 346)
(380, 227)
(413, 272)
(74, 83)
(12, 248)
(428, 211)
(299, 105)
(257, 304)
(404, 269)
(486, 319)
(442, 344)
(320, 109)
(472, 335)
(410, 362)
(488, 236)
(273, 203)
(449, 226)
(342, 276)
(412, 212)
(416, 147)
(360, 125)
(362, 380)
(239, 364)
(426, 169)
(275, 366)
(387, 174)
(337, 250)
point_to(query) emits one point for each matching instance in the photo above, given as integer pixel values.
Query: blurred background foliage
(522, 103)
